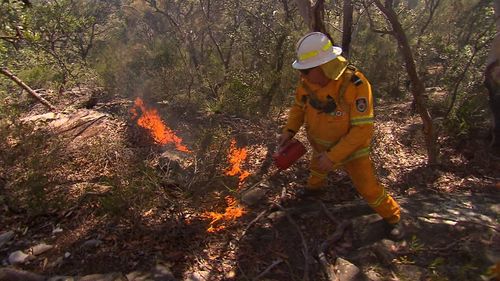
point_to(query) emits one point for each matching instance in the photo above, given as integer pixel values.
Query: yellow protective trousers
(362, 174)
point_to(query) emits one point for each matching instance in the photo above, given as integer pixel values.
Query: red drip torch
(289, 154)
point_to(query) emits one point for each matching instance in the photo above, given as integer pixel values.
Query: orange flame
(219, 220)
(236, 157)
(150, 119)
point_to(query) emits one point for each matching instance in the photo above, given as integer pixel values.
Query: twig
(454, 220)
(304, 243)
(242, 272)
(88, 126)
(252, 222)
(327, 267)
(337, 235)
(327, 212)
(274, 264)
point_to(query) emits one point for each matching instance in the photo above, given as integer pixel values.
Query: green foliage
(468, 116)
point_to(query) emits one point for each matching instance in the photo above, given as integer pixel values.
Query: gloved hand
(324, 163)
(284, 138)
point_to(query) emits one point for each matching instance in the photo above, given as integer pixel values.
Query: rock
(67, 255)
(162, 273)
(92, 243)
(231, 274)
(10, 274)
(102, 277)
(58, 262)
(274, 216)
(40, 249)
(347, 271)
(159, 273)
(411, 272)
(138, 276)
(61, 278)
(18, 257)
(198, 276)
(372, 275)
(253, 196)
(383, 254)
(57, 230)
(5, 237)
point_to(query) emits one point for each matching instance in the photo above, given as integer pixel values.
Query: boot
(395, 231)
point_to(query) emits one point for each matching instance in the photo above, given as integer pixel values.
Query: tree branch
(14, 78)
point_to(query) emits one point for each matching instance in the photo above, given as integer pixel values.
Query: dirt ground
(94, 185)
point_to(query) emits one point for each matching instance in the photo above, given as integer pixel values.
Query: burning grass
(219, 221)
(236, 158)
(151, 120)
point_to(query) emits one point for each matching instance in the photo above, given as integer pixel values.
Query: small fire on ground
(151, 120)
(236, 158)
(220, 221)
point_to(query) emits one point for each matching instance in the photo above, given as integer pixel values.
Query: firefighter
(334, 102)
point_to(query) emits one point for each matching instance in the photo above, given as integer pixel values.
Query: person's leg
(317, 177)
(363, 177)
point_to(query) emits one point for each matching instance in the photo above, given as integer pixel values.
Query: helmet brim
(337, 51)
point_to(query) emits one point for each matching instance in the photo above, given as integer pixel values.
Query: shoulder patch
(356, 80)
(361, 104)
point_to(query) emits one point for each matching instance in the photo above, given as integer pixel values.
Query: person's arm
(361, 118)
(295, 114)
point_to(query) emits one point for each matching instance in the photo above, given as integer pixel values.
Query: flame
(150, 119)
(236, 157)
(219, 220)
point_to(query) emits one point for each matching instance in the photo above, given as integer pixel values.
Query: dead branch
(495, 228)
(88, 126)
(14, 78)
(274, 264)
(252, 222)
(305, 250)
(327, 212)
(337, 235)
(328, 268)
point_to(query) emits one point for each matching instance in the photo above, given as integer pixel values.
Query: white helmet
(315, 49)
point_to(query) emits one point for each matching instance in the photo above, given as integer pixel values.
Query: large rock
(346, 271)
(6, 237)
(11, 274)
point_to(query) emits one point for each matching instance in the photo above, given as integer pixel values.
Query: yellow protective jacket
(346, 132)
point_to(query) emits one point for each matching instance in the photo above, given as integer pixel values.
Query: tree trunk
(14, 78)
(492, 80)
(279, 54)
(417, 87)
(347, 27)
(312, 11)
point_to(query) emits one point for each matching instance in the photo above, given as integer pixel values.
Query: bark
(312, 11)
(492, 79)
(417, 87)
(14, 78)
(347, 27)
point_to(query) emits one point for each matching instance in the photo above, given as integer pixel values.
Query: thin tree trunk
(347, 27)
(313, 13)
(14, 78)
(417, 87)
(492, 80)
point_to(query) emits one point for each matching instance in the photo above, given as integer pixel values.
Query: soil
(93, 184)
